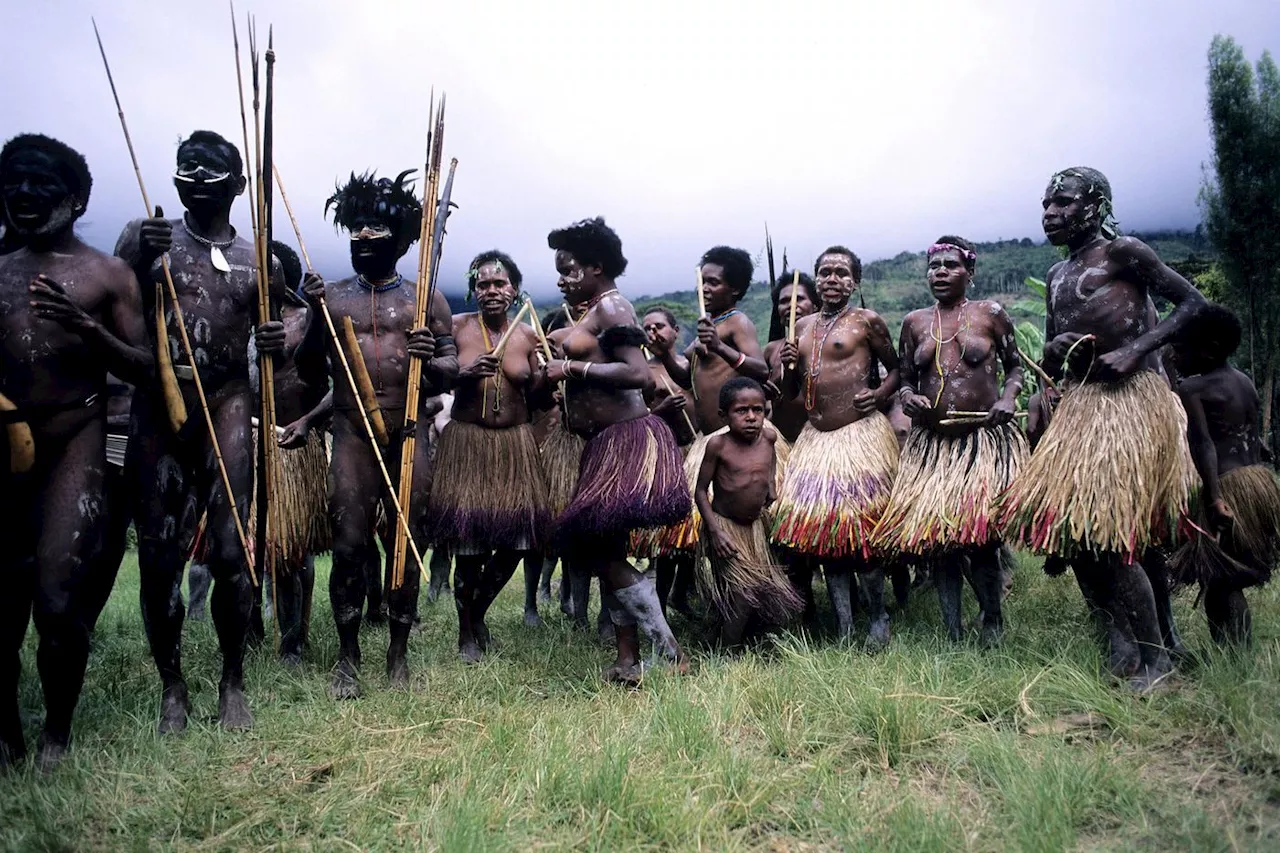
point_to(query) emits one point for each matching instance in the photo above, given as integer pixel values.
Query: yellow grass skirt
(753, 580)
(1245, 555)
(836, 487)
(945, 492)
(561, 454)
(1112, 474)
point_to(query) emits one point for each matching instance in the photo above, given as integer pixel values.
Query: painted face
(746, 413)
(206, 179)
(494, 291)
(835, 279)
(576, 282)
(948, 276)
(1067, 212)
(37, 199)
(804, 305)
(659, 330)
(716, 291)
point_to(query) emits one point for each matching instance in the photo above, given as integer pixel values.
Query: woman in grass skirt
(630, 475)
(963, 449)
(488, 495)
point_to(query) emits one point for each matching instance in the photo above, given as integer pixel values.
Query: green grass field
(801, 745)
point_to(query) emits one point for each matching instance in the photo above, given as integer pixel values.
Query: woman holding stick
(796, 296)
(963, 449)
(631, 476)
(488, 501)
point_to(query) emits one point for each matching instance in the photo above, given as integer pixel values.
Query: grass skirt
(1247, 553)
(561, 458)
(488, 489)
(658, 542)
(754, 580)
(630, 478)
(945, 492)
(1112, 474)
(836, 487)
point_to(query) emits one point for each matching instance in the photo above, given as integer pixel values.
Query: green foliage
(1241, 201)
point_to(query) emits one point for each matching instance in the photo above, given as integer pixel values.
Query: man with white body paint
(215, 277)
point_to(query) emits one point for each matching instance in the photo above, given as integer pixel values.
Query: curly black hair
(1214, 336)
(592, 243)
(492, 256)
(855, 262)
(208, 137)
(735, 386)
(392, 203)
(737, 265)
(71, 164)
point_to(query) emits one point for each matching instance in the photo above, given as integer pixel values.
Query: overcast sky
(686, 124)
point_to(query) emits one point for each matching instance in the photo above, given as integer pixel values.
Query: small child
(735, 485)
(1239, 504)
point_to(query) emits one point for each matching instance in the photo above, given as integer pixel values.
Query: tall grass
(800, 744)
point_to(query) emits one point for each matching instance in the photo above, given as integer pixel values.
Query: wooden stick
(511, 328)
(426, 272)
(969, 421)
(174, 404)
(244, 122)
(22, 445)
(795, 291)
(182, 326)
(671, 391)
(1037, 369)
(702, 300)
(288, 208)
(979, 414)
(537, 328)
(363, 384)
(568, 313)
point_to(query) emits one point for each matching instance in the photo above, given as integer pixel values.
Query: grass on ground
(799, 745)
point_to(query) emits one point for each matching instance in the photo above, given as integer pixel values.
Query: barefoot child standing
(735, 486)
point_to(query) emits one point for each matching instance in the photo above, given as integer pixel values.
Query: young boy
(745, 579)
(1240, 501)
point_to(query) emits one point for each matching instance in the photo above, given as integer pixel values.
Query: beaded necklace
(374, 290)
(488, 345)
(962, 325)
(816, 346)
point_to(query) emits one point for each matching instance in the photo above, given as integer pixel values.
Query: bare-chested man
(68, 314)
(214, 274)
(1240, 501)
(1075, 496)
(842, 466)
(383, 218)
(963, 449)
(489, 497)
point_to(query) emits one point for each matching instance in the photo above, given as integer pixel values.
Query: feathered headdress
(390, 203)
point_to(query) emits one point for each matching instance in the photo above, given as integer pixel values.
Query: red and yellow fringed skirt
(836, 487)
(945, 493)
(1112, 474)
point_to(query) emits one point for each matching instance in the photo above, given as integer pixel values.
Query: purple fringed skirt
(632, 476)
(487, 490)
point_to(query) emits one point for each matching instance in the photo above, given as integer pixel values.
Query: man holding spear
(376, 305)
(214, 273)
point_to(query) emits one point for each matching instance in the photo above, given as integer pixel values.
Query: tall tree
(1240, 200)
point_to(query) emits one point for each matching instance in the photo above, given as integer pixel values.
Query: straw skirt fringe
(561, 453)
(1112, 474)
(1246, 554)
(836, 487)
(630, 478)
(487, 489)
(945, 492)
(753, 580)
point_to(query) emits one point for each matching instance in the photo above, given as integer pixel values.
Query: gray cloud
(684, 124)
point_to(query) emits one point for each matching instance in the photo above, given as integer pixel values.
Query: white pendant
(219, 260)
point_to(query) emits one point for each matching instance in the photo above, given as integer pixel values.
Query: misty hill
(894, 286)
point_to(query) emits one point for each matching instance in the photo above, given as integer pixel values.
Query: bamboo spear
(795, 291)
(426, 271)
(402, 523)
(177, 316)
(267, 524)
